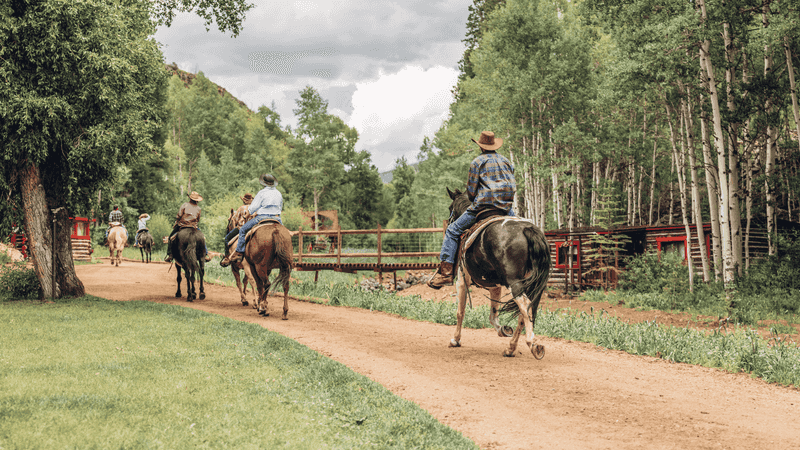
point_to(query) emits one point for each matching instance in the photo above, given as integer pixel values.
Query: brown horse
(117, 238)
(270, 247)
(237, 266)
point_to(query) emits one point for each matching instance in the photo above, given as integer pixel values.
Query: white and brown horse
(508, 252)
(117, 239)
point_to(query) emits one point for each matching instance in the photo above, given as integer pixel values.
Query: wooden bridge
(323, 250)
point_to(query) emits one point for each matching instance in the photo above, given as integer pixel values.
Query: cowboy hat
(142, 216)
(247, 198)
(195, 196)
(268, 180)
(488, 142)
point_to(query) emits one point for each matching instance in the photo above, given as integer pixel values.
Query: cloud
(385, 67)
(396, 111)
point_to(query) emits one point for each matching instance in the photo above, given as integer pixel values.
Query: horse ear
(452, 194)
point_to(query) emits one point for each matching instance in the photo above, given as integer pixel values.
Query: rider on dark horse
(188, 217)
(142, 226)
(267, 204)
(491, 185)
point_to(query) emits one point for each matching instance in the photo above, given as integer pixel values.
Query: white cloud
(396, 111)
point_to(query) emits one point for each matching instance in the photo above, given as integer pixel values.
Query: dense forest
(661, 112)
(613, 112)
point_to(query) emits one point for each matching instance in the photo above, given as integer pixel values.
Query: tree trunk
(713, 197)
(719, 143)
(38, 229)
(698, 214)
(653, 177)
(793, 87)
(682, 187)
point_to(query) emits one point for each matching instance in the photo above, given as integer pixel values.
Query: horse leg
(527, 317)
(512, 346)
(242, 297)
(190, 293)
(494, 295)
(462, 284)
(286, 297)
(178, 294)
(263, 304)
(202, 275)
(248, 275)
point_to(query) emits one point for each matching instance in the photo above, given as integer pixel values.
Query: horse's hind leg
(286, 296)
(462, 284)
(178, 294)
(263, 303)
(202, 275)
(494, 295)
(512, 346)
(527, 316)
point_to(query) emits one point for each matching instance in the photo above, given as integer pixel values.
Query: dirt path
(578, 397)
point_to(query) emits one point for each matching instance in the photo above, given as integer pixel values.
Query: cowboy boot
(236, 256)
(228, 259)
(443, 276)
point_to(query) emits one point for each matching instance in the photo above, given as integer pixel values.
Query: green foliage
(17, 281)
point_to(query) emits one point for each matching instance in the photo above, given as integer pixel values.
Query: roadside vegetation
(181, 378)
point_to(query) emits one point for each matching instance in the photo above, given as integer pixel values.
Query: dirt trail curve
(578, 397)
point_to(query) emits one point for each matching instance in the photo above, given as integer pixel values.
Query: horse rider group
(491, 185)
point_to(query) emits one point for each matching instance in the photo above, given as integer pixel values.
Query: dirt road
(578, 397)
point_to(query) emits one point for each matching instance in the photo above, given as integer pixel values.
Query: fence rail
(332, 241)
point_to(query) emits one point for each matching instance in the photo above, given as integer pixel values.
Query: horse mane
(460, 203)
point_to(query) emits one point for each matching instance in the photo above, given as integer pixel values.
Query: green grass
(92, 373)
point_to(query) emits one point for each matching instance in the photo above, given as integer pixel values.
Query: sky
(386, 68)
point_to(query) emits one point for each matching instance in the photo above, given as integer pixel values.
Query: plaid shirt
(115, 216)
(491, 182)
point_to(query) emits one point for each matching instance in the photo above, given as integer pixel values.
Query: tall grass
(92, 373)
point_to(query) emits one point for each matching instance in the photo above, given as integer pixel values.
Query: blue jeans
(454, 232)
(250, 224)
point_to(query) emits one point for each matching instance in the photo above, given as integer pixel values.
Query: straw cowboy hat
(142, 216)
(195, 196)
(248, 198)
(488, 142)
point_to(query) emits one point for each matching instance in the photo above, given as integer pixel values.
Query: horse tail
(538, 269)
(283, 254)
(539, 259)
(190, 254)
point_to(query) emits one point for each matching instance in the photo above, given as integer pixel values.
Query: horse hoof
(538, 351)
(454, 343)
(202, 296)
(506, 331)
(508, 354)
(244, 303)
(189, 300)
(263, 313)
(284, 318)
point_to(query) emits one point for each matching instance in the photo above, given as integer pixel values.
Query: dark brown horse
(509, 252)
(237, 266)
(145, 245)
(189, 251)
(269, 247)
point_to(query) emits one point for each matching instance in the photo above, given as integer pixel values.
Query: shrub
(18, 282)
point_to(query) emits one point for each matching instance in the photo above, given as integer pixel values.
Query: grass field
(92, 373)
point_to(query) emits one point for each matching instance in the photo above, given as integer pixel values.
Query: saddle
(253, 230)
(114, 224)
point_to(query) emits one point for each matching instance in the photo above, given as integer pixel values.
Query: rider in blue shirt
(267, 204)
(491, 185)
